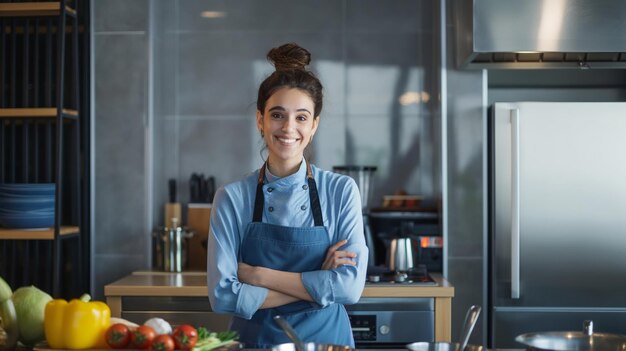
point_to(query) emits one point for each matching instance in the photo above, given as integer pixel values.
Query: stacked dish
(27, 206)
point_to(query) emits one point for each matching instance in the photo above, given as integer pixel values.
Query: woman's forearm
(288, 283)
(276, 298)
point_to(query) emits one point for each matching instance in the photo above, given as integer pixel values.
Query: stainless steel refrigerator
(557, 218)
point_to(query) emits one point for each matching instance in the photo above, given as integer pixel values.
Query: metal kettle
(400, 256)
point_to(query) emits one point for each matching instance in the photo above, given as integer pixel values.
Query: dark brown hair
(290, 61)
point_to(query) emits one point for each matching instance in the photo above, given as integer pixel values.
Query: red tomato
(141, 338)
(118, 336)
(163, 342)
(185, 337)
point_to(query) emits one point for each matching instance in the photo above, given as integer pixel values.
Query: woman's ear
(316, 122)
(259, 121)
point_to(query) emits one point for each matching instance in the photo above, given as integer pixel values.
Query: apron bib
(292, 249)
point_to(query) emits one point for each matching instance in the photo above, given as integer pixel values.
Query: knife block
(172, 210)
(198, 217)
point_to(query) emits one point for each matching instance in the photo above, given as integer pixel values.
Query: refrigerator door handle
(515, 205)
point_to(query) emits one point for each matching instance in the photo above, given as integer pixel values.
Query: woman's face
(288, 124)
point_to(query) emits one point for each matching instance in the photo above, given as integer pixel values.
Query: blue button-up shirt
(286, 204)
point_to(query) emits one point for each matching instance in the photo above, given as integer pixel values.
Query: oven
(392, 322)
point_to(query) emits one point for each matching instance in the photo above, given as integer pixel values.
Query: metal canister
(170, 248)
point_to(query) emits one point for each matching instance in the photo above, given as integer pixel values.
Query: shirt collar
(295, 178)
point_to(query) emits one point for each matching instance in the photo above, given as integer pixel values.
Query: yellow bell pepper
(76, 325)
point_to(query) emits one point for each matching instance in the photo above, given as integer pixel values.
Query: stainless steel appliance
(391, 322)
(557, 218)
(422, 227)
(513, 34)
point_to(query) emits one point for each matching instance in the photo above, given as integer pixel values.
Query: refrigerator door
(557, 209)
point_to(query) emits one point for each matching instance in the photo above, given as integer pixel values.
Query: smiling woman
(288, 128)
(287, 239)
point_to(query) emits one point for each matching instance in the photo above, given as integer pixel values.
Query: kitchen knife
(210, 189)
(203, 189)
(172, 208)
(194, 188)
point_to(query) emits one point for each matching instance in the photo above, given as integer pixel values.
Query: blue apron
(292, 249)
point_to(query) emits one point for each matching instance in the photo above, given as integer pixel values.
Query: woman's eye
(302, 118)
(276, 115)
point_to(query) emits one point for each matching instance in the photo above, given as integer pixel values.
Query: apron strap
(259, 200)
(314, 197)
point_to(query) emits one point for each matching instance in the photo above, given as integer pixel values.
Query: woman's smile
(287, 141)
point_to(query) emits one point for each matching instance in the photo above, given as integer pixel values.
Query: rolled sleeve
(319, 284)
(249, 300)
(343, 284)
(226, 293)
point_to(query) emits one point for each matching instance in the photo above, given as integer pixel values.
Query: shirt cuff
(250, 300)
(319, 284)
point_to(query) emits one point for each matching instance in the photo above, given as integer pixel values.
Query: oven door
(392, 322)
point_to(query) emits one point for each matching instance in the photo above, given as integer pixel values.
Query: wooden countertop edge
(126, 287)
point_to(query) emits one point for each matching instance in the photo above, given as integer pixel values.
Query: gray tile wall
(367, 53)
(120, 45)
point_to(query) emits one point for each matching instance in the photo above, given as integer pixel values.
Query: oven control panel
(363, 327)
(377, 321)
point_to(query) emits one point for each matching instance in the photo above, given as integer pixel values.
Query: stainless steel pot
(299, 345)
(170, 248)
(312, 346)
(586, 340)
(441, 346)
(468, 325)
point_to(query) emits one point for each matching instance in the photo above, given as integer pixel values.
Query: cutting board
(198, 217)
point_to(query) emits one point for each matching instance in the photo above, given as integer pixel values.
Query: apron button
(269, 190)
(303, 207)
(305, 187)
(271, 209)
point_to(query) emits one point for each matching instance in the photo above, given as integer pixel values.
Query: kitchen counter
(193, 284)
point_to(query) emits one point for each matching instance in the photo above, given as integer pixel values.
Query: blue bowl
(27, 222)
(24, 205)
(5, 195)
(12, 213)
(28, 188)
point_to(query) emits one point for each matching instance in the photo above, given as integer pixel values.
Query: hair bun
(289, 57)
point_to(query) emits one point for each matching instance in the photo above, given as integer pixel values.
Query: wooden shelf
(26, 234)
(41, 112)
(33, 9)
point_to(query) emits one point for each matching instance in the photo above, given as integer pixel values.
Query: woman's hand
(335, 258)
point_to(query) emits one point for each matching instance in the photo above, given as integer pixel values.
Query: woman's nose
(289, 123)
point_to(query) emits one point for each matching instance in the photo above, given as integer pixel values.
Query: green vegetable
(8, 325)
(30, 304)
(5, 290)
(210, 340)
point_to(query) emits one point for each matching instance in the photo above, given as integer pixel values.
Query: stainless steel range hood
(513, 34)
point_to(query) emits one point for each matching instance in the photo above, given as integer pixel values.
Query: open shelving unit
(40, 139)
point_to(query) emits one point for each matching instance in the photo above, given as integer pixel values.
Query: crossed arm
(287, 287)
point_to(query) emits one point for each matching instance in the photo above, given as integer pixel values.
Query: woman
(288, 238)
